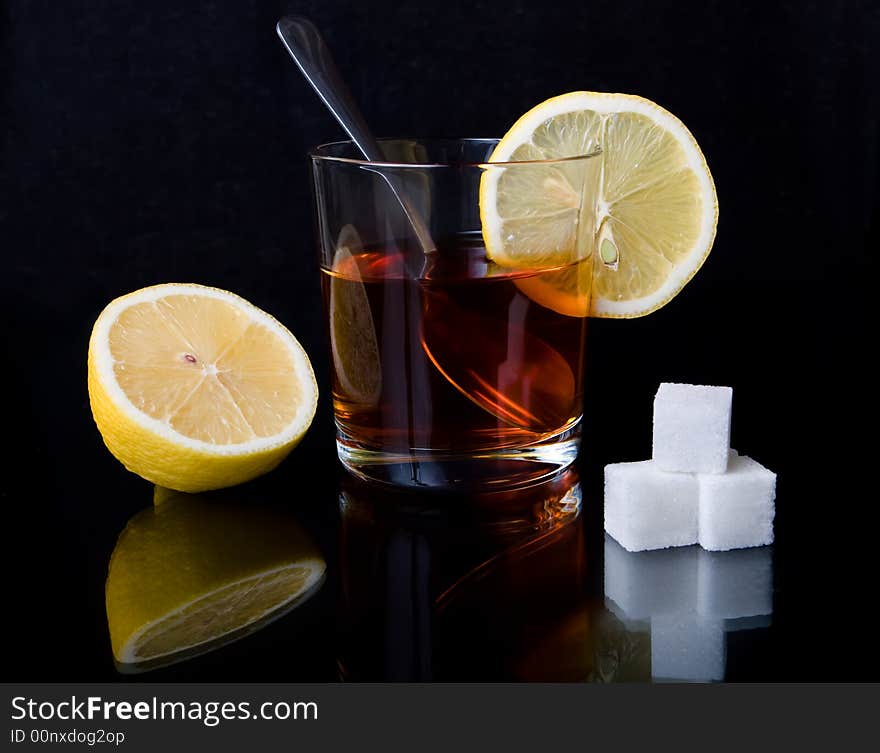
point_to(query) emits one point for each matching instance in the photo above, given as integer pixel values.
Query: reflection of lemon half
(649, 207)
(198, 571)
(352, 331)
(195, 388)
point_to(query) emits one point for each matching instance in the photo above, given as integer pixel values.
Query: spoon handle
(307, 48)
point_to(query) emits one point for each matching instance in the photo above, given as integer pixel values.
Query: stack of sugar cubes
(695, 489)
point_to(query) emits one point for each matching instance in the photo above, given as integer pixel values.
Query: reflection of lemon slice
(195, 388)
(649, 208)
(352, 331)
(198, 571)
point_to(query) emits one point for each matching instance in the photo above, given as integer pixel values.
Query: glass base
(443, 470)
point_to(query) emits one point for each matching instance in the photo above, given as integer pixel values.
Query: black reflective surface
(516, 585)
(143, 148)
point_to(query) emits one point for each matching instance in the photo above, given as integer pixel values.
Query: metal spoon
(312, 56)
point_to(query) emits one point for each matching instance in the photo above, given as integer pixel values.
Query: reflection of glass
(440, 587)
(448, 369)
(687, 600)
(197, 571)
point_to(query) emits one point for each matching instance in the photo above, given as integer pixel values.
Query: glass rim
(315, 154)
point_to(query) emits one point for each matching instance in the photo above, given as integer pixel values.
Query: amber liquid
(446, 353)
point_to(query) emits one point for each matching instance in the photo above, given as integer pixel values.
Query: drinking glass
(450, 368)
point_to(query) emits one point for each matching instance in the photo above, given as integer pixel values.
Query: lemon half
(194, 388)
(648, 204)
(196, 571)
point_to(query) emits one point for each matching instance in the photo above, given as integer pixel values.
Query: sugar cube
(734, 585)
(687, 646)
(646, 508)
(736, 508)
(692, 428)
(641, 585)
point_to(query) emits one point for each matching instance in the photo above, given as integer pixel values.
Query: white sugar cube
(641, 585)
(687, 646)
(646, 508)
(736, 508)
(733, 585)
(692, 428)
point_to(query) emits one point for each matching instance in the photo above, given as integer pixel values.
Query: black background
(147, 143)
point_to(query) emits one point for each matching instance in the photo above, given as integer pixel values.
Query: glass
(449, 370)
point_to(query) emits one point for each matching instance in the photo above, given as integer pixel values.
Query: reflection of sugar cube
(687, 647)
(692, 428)
(646, 508)
(689, 598)
(737, 507)
(643, 584)
(735, 584)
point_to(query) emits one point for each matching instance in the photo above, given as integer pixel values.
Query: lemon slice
(196, 572)
(646, 204)
(194, 388)
(353, 341)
